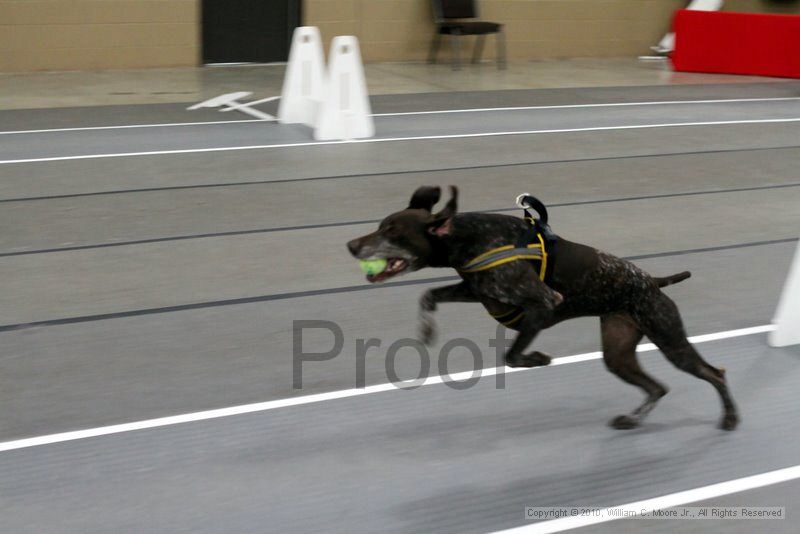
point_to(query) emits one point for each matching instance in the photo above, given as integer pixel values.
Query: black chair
(449, 16)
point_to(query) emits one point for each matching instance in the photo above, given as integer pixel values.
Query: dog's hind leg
(427, 305)
(662, 323)
(620, 336)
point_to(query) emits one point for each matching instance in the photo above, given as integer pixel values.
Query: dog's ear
(425, 198)
(441, 227)
(451, 207)
(442, 223)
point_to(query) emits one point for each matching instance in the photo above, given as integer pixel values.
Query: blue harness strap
(535, 245)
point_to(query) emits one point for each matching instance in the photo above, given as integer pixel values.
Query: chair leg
(501, 49)
(455, 41)
(477, 51)
(434, 49)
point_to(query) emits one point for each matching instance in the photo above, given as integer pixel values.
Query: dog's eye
(391, 230)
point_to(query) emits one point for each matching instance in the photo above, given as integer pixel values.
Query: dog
(515, 289)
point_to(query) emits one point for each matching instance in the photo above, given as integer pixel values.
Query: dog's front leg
(427, 305)
(539, 304)
(535, 319)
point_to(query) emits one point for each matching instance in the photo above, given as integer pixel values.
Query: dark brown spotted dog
(580, 281)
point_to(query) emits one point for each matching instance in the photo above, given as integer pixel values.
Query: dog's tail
(673, 279)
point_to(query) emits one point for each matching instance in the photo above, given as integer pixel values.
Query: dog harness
(535, 251)
(534, 245)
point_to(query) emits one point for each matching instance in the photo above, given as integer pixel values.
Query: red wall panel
(737, 43)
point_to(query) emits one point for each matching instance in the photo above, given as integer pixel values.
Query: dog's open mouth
(394, 266)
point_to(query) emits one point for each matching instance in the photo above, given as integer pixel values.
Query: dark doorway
(238, 31)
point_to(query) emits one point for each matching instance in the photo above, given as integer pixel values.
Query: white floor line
(434, 112)
(665, 501)
(572, 106)
(320, 397)
(396, 139)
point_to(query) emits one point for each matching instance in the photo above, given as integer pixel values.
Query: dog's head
(407, 239)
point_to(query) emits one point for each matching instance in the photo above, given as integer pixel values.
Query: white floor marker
(230, 102)
(345, 112)
(787, 316)
(304, 82)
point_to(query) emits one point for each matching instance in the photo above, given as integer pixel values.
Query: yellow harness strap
(509, 318)
(508, 253)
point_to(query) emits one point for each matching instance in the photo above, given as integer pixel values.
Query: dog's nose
(354, 246)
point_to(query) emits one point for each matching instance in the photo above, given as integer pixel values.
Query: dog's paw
(534, 359)
(538, 359)
(624, 422)
(729, 421)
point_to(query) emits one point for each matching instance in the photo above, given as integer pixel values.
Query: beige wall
(97, 34)
(401, 29)
(114, 34)
(397, 30)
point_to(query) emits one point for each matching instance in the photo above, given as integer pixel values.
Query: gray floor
(147, 286)
(195, 137)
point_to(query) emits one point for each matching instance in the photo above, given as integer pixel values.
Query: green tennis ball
(373, 267)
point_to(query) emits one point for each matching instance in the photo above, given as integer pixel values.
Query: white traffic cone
(787, 316)
(304, 81)
(345, 113)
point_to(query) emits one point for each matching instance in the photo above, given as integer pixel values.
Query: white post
(304, 81)
(667, 44)
(346, 112)
(787, 316)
